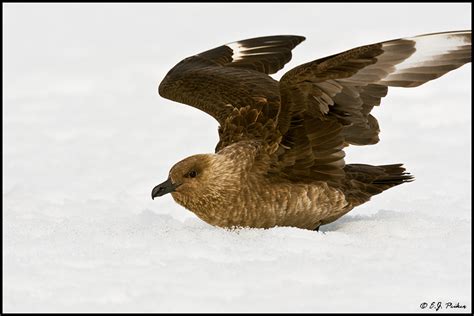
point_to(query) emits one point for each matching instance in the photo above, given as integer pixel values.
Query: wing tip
(296, 39)
(466, 35)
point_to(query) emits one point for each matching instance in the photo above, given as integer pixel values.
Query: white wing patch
(435, 54)
(406, 62)
(239, 51)
(410, 62)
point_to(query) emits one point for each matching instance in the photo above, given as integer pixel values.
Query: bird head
(186, 175)
(199, 179)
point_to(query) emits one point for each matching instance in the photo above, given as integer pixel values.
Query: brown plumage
(280, 158)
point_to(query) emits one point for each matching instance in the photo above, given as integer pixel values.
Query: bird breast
(263, 203)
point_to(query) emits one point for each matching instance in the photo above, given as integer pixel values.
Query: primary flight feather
(280, 160)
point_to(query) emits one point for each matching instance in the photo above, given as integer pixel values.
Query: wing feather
(343, 89)
(232, 76)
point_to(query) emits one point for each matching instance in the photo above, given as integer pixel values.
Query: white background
(86, 137)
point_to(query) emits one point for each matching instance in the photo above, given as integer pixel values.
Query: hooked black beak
(163, 188)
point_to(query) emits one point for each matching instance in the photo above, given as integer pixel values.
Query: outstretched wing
(232, 76)
(326, 103)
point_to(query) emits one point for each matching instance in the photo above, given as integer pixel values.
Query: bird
(279, 160)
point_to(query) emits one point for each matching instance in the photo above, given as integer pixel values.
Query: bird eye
(192, 174)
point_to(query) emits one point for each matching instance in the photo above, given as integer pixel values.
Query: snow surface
(86, 137)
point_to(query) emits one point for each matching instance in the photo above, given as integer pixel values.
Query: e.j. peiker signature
(436, 306)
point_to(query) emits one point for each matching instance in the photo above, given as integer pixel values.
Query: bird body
(238, 194)
(280, 160)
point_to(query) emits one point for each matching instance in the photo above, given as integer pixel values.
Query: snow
(86, 138)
